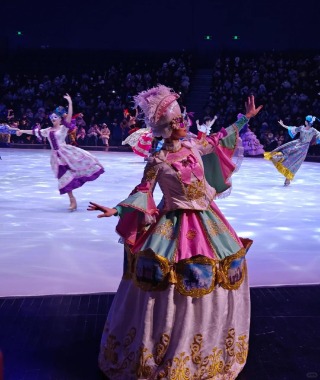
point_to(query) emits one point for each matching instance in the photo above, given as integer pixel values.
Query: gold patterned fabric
(220, 363)
(182, 310)
(193, 277)
(168, 336)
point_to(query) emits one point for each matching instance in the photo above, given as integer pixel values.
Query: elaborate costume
(72, 166)
(5, 132)
(205, 128)
(251, 144)
(288, 158)
(182, 310)
(140, 141)
(6, 129)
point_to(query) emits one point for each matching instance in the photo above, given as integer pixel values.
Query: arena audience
(287, 85)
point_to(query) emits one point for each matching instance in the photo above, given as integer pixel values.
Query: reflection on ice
(45, 249)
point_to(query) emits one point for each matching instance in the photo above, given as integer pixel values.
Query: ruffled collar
(172, 146)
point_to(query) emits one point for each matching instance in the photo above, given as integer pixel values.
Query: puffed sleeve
(5, 129)
(71, 126)
(231, 140)
(226, 139)
(138, 210)
(317, 136)
(223, 157)
(40, 133)
(293, 131)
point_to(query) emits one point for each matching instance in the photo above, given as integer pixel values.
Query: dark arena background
(59, 270)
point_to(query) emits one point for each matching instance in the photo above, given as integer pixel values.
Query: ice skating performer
(288, 157)
(205, 128)
(143, 142)
(7, 130)
(182, 310)
(71, 165)
(140, 141)
(251, 144)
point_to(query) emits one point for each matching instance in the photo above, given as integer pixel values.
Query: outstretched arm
(213, 121)
(107, 212)
(11, 128)
(282, 125)
(26, 131)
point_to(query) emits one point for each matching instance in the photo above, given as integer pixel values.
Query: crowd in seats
(288, 85)
(99, 96)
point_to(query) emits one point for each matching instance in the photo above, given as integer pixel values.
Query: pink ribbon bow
(187, 167)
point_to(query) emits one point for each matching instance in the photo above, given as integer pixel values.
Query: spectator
(105, 134)
(81, 136)
(93, 135)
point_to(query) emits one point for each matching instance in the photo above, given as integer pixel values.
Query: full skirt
(73, 167)
(167, 336)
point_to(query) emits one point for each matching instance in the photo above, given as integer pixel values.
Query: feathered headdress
(159, 105)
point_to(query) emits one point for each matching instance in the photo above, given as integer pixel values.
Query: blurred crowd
(103, 101)
(288, 86)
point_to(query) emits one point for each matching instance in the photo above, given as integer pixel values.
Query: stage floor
(47, 250)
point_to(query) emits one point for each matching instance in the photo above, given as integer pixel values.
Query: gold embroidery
(161, 348)
(221, 363)
(191, 234)
(204, 142)
(215, 228)
(196, 349)
(130, 337)
(243, 347)
(213, 364)
(233, 282)
(165, 229)
(110, 353)
(224, 228)
(156, 272)
(230, 342)
(150, 174)
(181, 371)
(143, 369)
(195, 190)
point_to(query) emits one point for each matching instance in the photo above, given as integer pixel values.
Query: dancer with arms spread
(182, 309)
(288, 157)
(71, 165)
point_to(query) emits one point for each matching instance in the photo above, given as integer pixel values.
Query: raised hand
(251, 109)
(282, 124)
(68, 98)
(107, 212)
